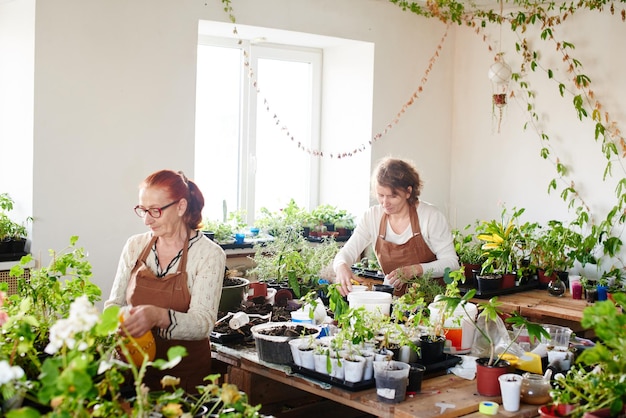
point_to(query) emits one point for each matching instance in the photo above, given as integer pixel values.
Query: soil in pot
(431, 349)
(272, 340)
(487, 376)
(233, 291)
(391, 380)
(489, 282)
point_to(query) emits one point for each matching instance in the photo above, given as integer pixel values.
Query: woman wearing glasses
(171, 277)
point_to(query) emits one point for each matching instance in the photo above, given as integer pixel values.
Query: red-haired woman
(171, 277)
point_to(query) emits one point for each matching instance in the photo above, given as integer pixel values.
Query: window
(245, 157)
(320, 88)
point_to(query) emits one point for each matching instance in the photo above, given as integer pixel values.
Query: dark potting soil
(288, 331)
(245, 335)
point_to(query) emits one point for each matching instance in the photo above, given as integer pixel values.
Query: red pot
(487, 376)
(508, 280)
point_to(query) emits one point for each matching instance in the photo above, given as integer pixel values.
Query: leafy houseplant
(290, 259)
(12, 234)
(597, 382)
(501, 241)
(42, 299)
(279, 222)
(555, 245)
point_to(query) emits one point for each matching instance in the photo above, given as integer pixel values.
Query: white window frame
(247, 139)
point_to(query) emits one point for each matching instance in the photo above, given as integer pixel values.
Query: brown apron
(392, 256)
(169, 292)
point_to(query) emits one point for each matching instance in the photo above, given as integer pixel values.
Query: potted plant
(469, 250)
(12, 234)
(458, 325)
(291, 261)
(596, 382)
(555, 247)
(491, 327)
(292, 216)
(501, 241)
(345, 225)
(42, 299)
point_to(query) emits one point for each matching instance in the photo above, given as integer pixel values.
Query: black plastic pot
(431, 349)
(488, 282)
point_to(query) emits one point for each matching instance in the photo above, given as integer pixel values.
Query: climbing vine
(546, 17)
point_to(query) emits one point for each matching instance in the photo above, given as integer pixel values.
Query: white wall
(17, 51)
(115, 99)
(489, 169)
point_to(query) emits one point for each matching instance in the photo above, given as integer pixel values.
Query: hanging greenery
(520, 18)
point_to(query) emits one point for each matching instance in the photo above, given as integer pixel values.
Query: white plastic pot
(372, 301)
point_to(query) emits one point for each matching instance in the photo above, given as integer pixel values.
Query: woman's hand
(141, 319)
(345, 278)
(407, 272)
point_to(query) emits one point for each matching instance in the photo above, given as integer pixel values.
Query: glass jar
(535, 389)
(556, 287)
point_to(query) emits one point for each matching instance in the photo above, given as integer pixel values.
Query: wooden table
(538, 306)
(266, 383)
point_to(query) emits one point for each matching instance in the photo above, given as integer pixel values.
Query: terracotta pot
(508, 280)
(469, 270)
(543, 279)
(487, 376)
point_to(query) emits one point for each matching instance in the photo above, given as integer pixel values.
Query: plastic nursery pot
(487, 382)
(416, 375)
(431, 349)
(233, 294)
(489, 282)
(391, 380)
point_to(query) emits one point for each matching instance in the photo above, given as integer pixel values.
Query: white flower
(9, 373)
(83, 316)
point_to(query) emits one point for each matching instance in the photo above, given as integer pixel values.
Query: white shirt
(435, 231)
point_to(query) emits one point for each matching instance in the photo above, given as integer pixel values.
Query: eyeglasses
(154, 212)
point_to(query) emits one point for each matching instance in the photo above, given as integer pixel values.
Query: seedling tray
(448, 361)
(351, 386)
(533, 284)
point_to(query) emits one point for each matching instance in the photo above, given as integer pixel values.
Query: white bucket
(459, 327)
(372, 301)
(301, 316)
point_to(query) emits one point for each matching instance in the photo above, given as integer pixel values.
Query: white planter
(368, 372)
(354, 369)
(337, 365)
(320, 363)
(294, 346)
(384, 355)
(306, 357)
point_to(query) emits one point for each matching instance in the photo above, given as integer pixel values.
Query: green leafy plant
(74, 356)
(467, 246)
(597, 381)
(555, 245)
(501, 241)
(10, 229)
(486, 321)
(42, 299)
(290, 258)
